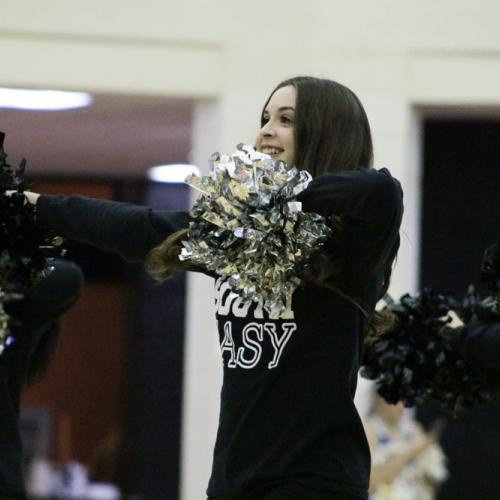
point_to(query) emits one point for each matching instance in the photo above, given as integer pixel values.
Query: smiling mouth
(271, 151)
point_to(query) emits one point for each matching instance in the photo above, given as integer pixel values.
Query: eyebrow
(283, 108)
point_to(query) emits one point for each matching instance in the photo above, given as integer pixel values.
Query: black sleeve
(370, 203)
(123, 228)
(478, 344)
(58, 292)
(50, 297)
(36, 319)
(365, 194)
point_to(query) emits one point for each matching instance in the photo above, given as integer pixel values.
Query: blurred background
(133, 390)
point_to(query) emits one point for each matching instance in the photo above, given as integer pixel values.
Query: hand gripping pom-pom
(413, 360)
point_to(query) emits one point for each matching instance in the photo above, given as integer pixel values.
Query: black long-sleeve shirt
(478, 344)
(287, 415)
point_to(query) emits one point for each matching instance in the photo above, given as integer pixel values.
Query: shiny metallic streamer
(248, 227)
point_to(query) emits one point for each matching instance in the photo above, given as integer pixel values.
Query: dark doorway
(460, 216)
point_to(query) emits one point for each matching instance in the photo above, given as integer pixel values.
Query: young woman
(288, 427)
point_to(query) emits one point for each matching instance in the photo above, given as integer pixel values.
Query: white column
(202, 364)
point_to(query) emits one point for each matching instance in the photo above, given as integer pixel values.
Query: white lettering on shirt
(279, 343)
(251, 345)
(255, 335)
(228, 345)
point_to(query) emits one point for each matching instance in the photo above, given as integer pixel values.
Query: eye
(263, 120)
(287, 120)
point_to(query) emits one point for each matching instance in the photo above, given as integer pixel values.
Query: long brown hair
(332, 133)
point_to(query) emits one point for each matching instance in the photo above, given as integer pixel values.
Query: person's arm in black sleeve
(53, 295)
(123, 228)
(35, 319)
(370, 203)
(364, 194)
(478, 344)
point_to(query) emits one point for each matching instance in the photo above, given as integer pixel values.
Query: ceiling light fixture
(174, 173)
(43, 100)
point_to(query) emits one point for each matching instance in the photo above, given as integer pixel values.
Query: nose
(267, 130)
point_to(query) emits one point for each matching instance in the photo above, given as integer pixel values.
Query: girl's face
(276, 136)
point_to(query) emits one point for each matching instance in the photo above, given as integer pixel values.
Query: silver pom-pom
(249, 228)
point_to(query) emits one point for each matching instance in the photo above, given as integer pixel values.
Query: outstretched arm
(123, 228)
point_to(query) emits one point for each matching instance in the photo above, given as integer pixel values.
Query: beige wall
(398, 55)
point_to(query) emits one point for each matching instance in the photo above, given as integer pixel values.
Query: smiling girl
(288, 426)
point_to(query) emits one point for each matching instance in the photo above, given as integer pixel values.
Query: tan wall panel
(111, 67)
(194, 20)
(455, 78)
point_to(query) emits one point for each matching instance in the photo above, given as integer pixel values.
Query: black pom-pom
(413, 360)
(26, 249)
